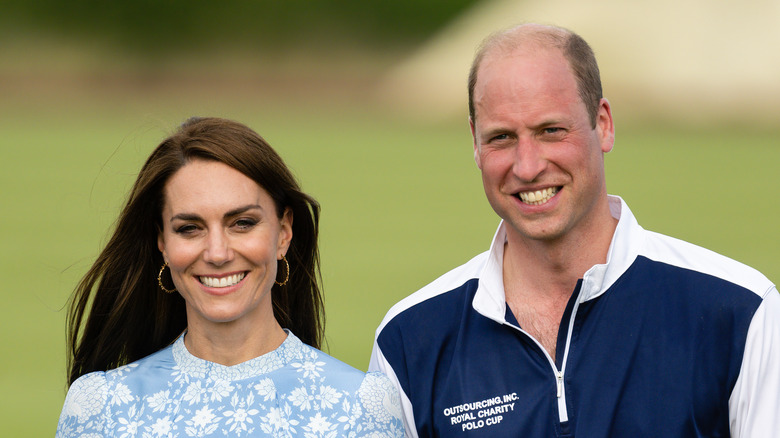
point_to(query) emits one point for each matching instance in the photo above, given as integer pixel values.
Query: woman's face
(222, 238)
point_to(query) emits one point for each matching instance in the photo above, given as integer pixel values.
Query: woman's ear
(161, 244)
(285, 231)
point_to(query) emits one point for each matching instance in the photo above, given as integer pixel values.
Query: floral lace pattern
(295, 390)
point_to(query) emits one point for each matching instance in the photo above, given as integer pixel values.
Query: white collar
(490, 299)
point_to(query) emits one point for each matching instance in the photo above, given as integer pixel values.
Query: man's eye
(499, 137)
(552, 130)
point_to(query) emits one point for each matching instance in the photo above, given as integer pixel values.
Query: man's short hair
(574, 48)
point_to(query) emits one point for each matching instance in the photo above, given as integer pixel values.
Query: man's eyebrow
(493, 131)
(548, 122)
(500, 129)
(231, 213)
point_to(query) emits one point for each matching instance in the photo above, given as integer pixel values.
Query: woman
(203, 314)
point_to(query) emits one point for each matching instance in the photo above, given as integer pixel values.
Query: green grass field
(402, 203)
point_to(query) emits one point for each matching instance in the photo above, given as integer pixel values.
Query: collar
(191, 367)
(490, 299)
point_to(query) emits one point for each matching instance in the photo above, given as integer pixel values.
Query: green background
(402, 199)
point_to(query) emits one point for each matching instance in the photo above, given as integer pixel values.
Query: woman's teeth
(230, 280)
(538, 197)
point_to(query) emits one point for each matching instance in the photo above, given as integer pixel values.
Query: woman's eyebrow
(244, 209)
(231, 213)
(186, 217)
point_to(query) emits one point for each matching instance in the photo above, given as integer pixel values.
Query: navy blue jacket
(665, 340)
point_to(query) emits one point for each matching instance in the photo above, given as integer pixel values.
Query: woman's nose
(218, 251)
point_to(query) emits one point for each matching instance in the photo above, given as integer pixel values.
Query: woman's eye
(186, 229)
(245, 224)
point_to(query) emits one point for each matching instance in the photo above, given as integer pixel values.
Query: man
(576, 322)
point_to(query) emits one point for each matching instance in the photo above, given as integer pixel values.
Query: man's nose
(529, 160)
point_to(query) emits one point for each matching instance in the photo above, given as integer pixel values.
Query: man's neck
(550, 267)
(540, 276)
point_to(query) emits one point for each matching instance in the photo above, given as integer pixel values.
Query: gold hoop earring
(159, 280)
(287, 269)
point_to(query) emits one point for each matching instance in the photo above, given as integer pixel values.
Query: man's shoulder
(448, 287)
(686, 255)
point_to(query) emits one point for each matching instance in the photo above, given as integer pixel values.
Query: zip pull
(560, 384)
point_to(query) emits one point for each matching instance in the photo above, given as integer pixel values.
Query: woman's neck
(230, 344)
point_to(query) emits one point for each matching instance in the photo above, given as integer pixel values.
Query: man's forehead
(538, 84)
(523, 68)
(529, 51)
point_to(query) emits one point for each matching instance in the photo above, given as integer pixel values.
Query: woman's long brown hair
(118, 314)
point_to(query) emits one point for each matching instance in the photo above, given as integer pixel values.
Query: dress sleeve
(83, 412)
(380, 364)
(379, 414)
(755, 399)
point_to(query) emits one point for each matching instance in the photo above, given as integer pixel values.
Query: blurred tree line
(154, 26)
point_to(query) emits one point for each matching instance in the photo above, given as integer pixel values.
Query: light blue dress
(293, 391)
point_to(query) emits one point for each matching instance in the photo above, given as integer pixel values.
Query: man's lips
(538, 197)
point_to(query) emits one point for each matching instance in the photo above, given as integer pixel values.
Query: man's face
(541, 161)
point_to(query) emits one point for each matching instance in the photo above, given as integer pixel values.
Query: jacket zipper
(560, 394)
(563, 414)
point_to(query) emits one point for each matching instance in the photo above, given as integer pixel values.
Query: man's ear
(605, 126)
(474, 141)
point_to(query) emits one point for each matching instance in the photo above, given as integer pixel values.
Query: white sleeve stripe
(755, 398)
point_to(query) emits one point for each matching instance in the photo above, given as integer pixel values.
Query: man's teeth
(230, 280)
(538, 197)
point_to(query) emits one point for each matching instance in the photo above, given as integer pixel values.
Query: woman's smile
(221, 281)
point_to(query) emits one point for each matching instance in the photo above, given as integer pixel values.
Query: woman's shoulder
(84, 406)
(380, 398)
(157, 365)
(87, 395)
(311, 361)
(376, 381)
(370, 399)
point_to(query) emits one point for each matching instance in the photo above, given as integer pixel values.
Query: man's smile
(538, 197)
